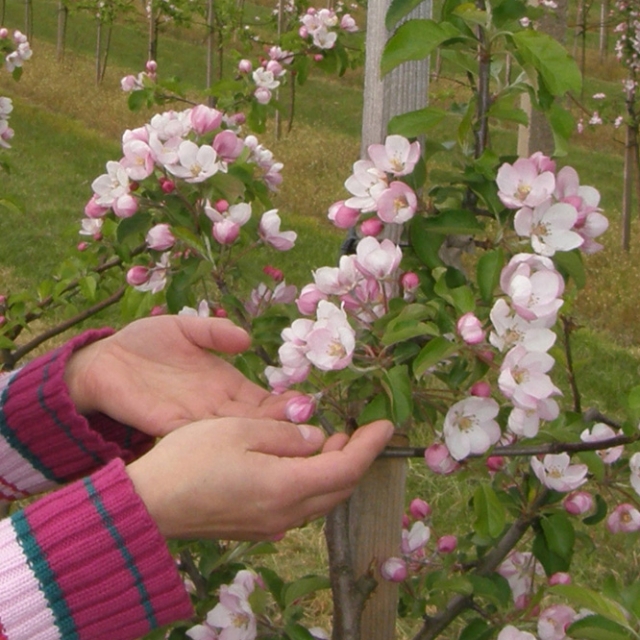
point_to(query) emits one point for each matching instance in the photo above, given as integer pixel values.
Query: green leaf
(397, 10)
(563, 125)
(570, 264)
(432, 353)
(471, 14)
(134, 227)
(556, 67)
(633, 405)
(414, 40)
(600, 512)
(592, 600)
(416, 123)
(503, 109)
(453, 221)
(295, 631)
(560, 534)
(493, 587)
(7, 343)
(477, 629)
(88, 287)
(397, 384)
(489, 511)
(425, 243)
(274, 584)
(304, 586)
(598, 628)
(377, 408)
(488, 272)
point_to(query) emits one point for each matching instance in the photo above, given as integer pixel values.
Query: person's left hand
(158, 374)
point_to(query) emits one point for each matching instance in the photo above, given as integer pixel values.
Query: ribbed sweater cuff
(87, 562)
(43, 440)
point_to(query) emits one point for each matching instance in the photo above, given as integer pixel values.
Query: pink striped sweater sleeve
(85, 561)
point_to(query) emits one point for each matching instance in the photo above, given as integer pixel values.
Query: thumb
(283, 439)
(216, 334)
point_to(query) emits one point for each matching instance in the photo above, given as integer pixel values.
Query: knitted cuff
(43, 440)
(87, 562)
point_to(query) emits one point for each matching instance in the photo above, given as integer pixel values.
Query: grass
(67, 128)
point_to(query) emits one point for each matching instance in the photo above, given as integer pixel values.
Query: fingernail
(307, 432)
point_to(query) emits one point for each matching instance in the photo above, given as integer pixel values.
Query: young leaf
(397, 10)
(489, 511)
(397, 384)
(416, 123)
(598, 628)
(488, 272)
(433, 352)
(592, 600)
(304, 586)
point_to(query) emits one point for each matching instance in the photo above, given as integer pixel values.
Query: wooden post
(627, 190)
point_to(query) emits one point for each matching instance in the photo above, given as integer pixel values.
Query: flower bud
(307, 301)
(318, 57)
(447, 544)
(495, 463)
(439, 460)
(160, 238)
(470, 329)
(93, 210)
(560, 577)
(409, 281)
(138, 275)
(167, 186)
(300, 409)
(303, 32)
(82, 246)
(262, 95)
(578, 503)
(245, 66)
(3, 299)
(4, 33)
(406, 521)
(371, 227)
(394, 570)
(273, 272)
(419, 509)
(481, 389)
(220, 313)
(3, 320)
(342, 216)
(221, 205)
(151, 66)
(157, 310)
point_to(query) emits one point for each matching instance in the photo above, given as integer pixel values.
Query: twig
(567, 328)
(188, 565)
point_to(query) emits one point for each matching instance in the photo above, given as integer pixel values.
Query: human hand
(158, 373)
(245, 479)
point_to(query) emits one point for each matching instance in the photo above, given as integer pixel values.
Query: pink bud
(168, 186)
(245, 66)
(470, 329)
(138, 275)
(238, 119)
(409, 281)
(205, 119)
(481, 389)
(578, 503)
(4, 33)
(226, 231)
(394, 570)
(274, 273)
(3, 320)
(151, 66)
(262, 95)
(160, 238)
(93, 210)
(125, 206)
(342, 216)
(560, 577)
(308, 299)
(221, 206)
(275, 67)
(318, 57)
(134, 186)
(303, 32)
(439, 461)
(220, 313)
(419, 509)
(495, 463)
(371, 227)
(82, 246)
(447, 544)
(97, 236)
(157, 310)
(300, 408)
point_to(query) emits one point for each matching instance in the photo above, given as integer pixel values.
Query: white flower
(555, 472)
(469, 427)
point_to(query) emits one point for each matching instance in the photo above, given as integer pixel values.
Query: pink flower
(331, 340)
(379, 260)
(438, 459)
(469, 427)
(601, 431)
(518, 569)
(195, 164)
(300, 408)
(625, 518)
(93, 210)
(495, 463)
(394, 570)
(228, 146)
(512, 329)
(396, 156)
(270, 232)
(512, 633)
(245, 66)
(447, 544)
(138, 159)
(554, 621)
(338, 280)
(578, 503)
(160, 238)
(409, 281)
(125, 206)
(348, 24)
(555, 472)
(415, 538)
(342, 216)
(419, 509)
(307, 301)
(521, 184)
(397, 204)
(481, 389)
(559, 577)
(371, 227)
(470, 328)
(203, 310)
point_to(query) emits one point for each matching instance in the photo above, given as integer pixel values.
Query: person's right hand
(249, 479)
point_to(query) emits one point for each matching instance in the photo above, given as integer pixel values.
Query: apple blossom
(522, 184)
(634, 467)
(203, 310)
(348, 24)
(555, 472)
(559, 577)
(397, 203)
(366, 184)
(300, 408)
(419, 509)
(270, 232)
(342, 216)
(396, 156)
(160, 238)
(338, 280)
(91, 227)
(512, 633)
(307, 301)
(331, 341)
(470, 328)
(519, 569)
(512, 329)
(394, 570)
(601, 431)
(526, 422)
(482, 389)
(204, 119)
(578, 503)
(379, 260)
(439, 460)
(554, 621)
(138, 275)
(371, 227)
(195, 164)
(415, 538)
(625, 518)
(447, 544)
(469, 427)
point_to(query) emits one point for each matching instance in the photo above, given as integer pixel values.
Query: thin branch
(188, 565)
(567, 328)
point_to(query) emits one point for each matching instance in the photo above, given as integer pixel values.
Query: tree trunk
(604, 30)
(107, 50)
(28, 19)
(61, 36)
(99, 51)
(152, 45)
(210, 49)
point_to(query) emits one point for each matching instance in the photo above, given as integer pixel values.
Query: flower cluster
(136, 83)
(177, 165)
(269, 74)
(318, 25)
(627, 46)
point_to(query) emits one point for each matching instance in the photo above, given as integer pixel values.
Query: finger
(282, 439)
(336, 442)
(341, 469)
(217, 334)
